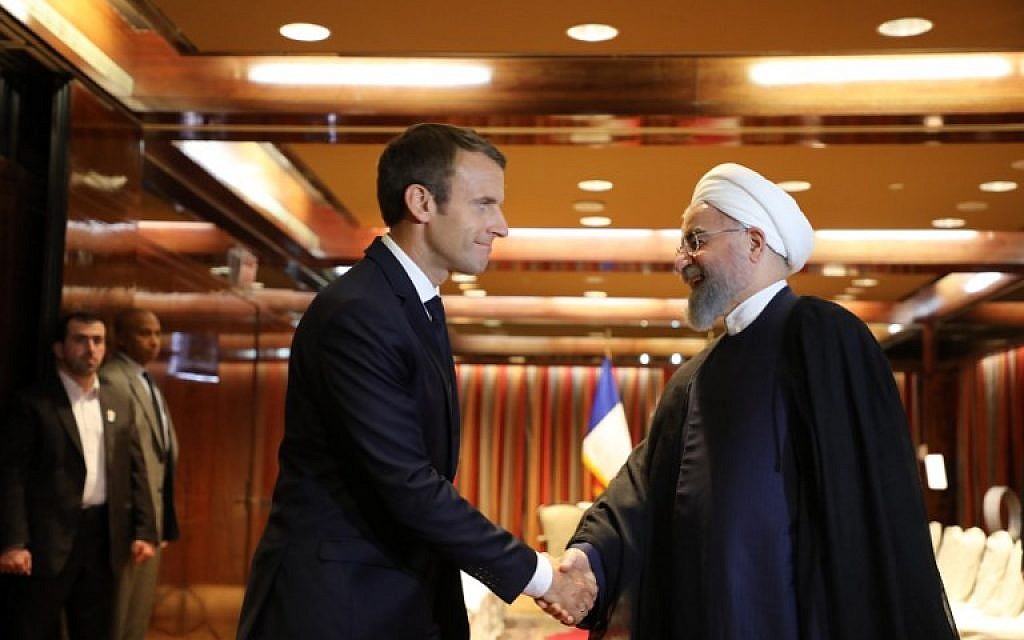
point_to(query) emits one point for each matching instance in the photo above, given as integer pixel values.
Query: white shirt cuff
(541, 580)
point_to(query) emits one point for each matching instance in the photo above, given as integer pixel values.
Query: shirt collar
(747, 311)
(74, 391)
(134, 366)
(424, 287)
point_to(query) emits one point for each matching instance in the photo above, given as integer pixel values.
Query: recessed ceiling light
(833, 270)
(676, 358)
(1017, 164)
(492, 323)
(644, 324)
(474, 293)
(305, 32)
(463, 277)
(948, 223)
(896, 186)
(895, 328)
(590, 137)
(794, 186)
(645, 358)
(854, 290)
(844, 297)
(971, 206)
(517, 359)
(588, 206)
(595, 221)
(466, 286)
(933, 122)
(865, 282)
(905, 27)
(596, 186)
(676, 324)
(998, 186)
(594, 279)
(592, 32)
(595, 294)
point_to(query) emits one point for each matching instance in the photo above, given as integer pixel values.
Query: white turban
(746, 196)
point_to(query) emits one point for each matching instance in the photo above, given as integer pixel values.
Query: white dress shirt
(85, 405)
(747, 311)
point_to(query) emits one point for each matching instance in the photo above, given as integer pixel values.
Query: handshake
(573, 588)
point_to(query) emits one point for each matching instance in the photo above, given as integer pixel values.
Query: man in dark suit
(74, 501)
(137, 332)
(367, 534)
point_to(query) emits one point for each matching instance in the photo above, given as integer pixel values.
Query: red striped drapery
(990, 430)
(522, 428)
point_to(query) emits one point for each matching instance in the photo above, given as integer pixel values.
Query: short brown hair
(424, 154)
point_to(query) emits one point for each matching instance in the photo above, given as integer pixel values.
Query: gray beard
(708, 300)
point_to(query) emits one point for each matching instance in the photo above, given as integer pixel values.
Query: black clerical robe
(862, 560)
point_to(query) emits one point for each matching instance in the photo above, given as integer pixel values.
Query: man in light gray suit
(137, 333)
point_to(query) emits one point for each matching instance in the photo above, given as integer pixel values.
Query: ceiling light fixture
(463, 277)
(475, 293)
(645, 358)
(981, 281)
(595, 294)
(905, 27)
(588, 206)
(1017, 164)
(865, 282)
(592, 32)
(370, 74)
(998, 186)
(595, 186)
(794, 186)
(948, 223)
(971, 206)
(595, 221)
(898, 235)
(304, 32)
(879, 69)
(895, 328)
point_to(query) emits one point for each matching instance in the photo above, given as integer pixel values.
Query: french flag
(607, 443)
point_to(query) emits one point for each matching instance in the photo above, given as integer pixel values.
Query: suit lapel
(416, 314)
(62, 405)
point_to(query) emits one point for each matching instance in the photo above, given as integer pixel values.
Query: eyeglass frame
(701, 238)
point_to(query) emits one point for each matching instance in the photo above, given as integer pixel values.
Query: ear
(757, 244)
(419, 202)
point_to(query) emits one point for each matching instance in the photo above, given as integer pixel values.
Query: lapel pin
(111, 416)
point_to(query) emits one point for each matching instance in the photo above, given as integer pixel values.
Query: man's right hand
(573, 590)
(16, 560)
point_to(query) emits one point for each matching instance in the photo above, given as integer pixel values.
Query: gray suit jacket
(160, 459)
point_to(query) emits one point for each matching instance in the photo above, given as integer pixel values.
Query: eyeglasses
(695, 240)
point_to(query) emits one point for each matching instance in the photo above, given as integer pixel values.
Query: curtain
(990, 430)
(522, 429)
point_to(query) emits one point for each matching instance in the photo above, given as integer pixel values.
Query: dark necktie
(156, 409)
(437, 324)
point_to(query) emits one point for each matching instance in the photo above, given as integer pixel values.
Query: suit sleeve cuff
(541, 580)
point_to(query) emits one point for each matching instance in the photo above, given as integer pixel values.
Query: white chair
(557, 524)
(992, 567)
(958, 559)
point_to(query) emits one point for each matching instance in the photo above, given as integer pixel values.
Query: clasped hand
(573, 588)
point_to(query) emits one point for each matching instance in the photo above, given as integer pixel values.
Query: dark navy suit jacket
(367, 533)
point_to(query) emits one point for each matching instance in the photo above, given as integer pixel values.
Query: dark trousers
(83, 590)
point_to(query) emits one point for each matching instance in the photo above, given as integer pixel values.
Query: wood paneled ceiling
(650, 110)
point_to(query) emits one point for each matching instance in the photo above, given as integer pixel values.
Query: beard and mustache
(712, 295)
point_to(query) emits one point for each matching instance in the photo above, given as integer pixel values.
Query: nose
(683, 259)
(500, 226)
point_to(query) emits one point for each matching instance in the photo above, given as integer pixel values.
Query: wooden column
(938, 425)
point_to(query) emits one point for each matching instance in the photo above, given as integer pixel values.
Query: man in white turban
(776, 495)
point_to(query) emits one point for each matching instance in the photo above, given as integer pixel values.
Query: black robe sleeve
(863, 548)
